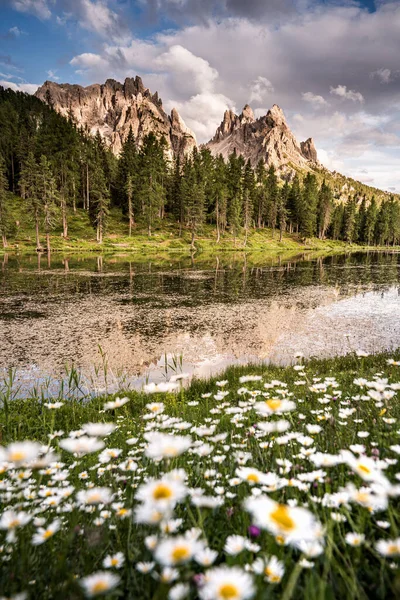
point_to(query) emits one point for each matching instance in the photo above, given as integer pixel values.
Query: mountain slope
(267, 139)
(113, 108)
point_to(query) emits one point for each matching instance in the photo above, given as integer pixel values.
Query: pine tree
(100, 201)
(294, 205)
(325, 207)
(29, 190)
(4, 218)
(219, 194)
(370, 222)
(194, 194)
(349, 224)
(47, 194)
(129, 196)
(308, 216)
(282, 213)
(382, 228)
(272, 198)
(260, 195)
(152, 176)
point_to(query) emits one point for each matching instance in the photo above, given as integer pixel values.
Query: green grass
(165, 237)
(56, 568)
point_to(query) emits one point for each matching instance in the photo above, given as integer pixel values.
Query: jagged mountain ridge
(267, 138)
(113, 108)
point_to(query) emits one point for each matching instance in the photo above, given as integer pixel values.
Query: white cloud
(15, 31)
(29, 88)
(315, 100)
(383, 75)
(52, 75)
(203, 112)
(88, 62)
(191, 73)
(39, 8)
(260, 88)
(345, 94)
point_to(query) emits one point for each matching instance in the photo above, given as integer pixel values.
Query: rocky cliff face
(112, 108)
(268, 139)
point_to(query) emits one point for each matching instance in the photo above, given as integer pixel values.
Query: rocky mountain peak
(268, 139)
(113, 108)
(247, 115)
(309, 150)
(277, 116)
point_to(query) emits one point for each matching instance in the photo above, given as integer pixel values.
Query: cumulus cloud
(345, 94)
(88, 62)
(260, 88)
(95, 16)
(29, 88)
(52, 75)
(38, 8)
(314, 99)
(383, 75)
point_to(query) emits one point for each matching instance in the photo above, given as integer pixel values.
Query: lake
(195, 315)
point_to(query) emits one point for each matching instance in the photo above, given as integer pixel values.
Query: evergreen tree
(29, 190)
(308, 213)
(370, 222)
(294, 205)
(349, 224)
(325, 207)
(382, 227)
(152, 176)
(100, 201)
(272, 198)
(219, 195)
(129, 195)
(282, 213)
(4, 218)
(46, 194)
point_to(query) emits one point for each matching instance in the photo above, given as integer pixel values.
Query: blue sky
(333, 66)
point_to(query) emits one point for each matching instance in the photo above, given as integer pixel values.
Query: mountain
(113, 108)
(267, 138)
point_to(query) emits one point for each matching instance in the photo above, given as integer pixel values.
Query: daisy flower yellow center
(282, 518)
(253, 477)
(392, 549)
(180, 553)
(273, 404)
(13, 523)
(47, 534)
(171, 451)
(273, 576)
(99, 587)
(162, 492)
(228, 591)
(17, 455)
(122, 512)
(364, 469)
(114, 562)
(361, 497)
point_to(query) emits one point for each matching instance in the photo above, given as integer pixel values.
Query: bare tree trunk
(87, 187)
(48, 242)
(192, 246)
(4, 238)
(217, 218)
(38, 245)
(64, 217)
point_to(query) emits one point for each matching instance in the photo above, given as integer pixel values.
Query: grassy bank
(299, 464)
(165, 237)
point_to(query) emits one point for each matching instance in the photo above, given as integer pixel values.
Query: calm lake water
(201, 314)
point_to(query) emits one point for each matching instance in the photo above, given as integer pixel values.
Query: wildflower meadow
(265, 483)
